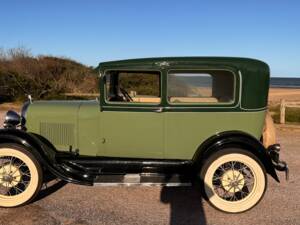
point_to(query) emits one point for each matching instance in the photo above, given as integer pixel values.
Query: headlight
(12, 119)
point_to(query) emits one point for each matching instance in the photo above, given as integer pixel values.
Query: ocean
(285, 82)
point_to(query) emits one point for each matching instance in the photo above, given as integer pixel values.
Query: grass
(292, 115)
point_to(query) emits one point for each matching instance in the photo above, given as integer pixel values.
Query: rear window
(213, 86)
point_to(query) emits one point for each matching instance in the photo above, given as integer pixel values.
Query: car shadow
(50, 186)
(186, 205)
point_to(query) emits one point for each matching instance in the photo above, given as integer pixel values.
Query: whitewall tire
(234, 180)
(20, 176)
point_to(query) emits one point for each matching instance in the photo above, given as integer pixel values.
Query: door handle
(159, 110)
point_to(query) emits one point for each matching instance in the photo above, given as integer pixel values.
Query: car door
(132, 122)
(201, 104)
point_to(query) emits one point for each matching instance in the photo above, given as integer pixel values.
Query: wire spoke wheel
(20, 176)
(14, 176)
(234, 180)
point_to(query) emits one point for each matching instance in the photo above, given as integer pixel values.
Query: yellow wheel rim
(231, 179)
(10, 176)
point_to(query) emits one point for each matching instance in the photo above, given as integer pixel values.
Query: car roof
(169, 61)
(253, 74)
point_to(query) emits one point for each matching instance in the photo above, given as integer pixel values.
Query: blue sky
(93, 31)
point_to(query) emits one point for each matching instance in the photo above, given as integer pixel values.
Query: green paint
(54, 112)
(133, 134)
(185, 131)
(172, 135)
(89, 132)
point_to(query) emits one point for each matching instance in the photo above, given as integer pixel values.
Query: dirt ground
(2, 114)
(289, 94)
(70, 204)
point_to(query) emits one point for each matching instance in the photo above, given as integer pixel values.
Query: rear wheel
(20, 176)
(234, 180)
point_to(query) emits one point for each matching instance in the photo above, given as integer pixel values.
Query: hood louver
(58, 133)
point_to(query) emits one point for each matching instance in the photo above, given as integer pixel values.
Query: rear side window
(212, 86)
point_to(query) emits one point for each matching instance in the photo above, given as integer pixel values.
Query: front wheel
(234, 180)
(20, 176)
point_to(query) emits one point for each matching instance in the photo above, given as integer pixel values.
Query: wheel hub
(232, 181)
(10, 175)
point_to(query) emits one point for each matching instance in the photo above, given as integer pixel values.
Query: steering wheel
(126, 95)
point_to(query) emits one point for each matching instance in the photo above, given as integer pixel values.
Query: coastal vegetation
(43, 77)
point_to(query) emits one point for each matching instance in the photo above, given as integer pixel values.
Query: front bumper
(273, 151)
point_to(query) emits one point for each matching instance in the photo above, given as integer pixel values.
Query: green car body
(98, 128)
(167, 135)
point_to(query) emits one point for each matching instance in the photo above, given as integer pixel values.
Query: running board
(143, 179)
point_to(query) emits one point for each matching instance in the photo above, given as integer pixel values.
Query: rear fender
(234, 139)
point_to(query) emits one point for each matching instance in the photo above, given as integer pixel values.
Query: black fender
(43, 150)
(234, 139)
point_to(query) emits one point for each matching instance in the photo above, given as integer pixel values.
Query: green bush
(44, 77)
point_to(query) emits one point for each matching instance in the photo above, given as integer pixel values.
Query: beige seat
(193, 100)
(146, 100)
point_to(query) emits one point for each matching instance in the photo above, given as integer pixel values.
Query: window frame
(234, 101)
(132, 104)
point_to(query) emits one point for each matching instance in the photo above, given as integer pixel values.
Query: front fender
(39, 150)
(42, 149)
(234, 139)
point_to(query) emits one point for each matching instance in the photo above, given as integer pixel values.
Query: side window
(133, 87)
(200, 87)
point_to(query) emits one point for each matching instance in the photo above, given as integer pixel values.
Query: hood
(51, 110)
(56, 120)
(57, 104)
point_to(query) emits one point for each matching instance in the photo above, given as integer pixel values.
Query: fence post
(282, 111)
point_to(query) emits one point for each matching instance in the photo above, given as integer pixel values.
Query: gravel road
(2, 114)
(80, 205)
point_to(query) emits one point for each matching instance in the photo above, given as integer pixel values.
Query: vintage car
(158, 121)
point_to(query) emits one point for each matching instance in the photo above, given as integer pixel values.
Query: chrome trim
(156, 179)
(25, 108)
(143, 184)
